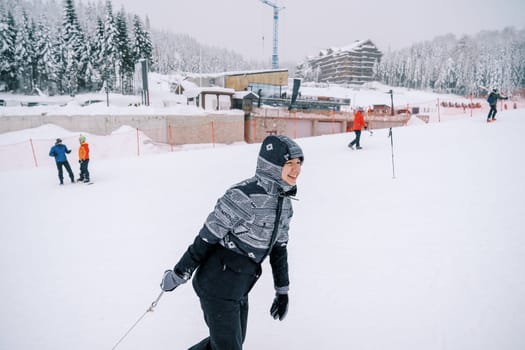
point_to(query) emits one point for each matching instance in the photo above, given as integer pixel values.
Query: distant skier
(83, 159)
(493, 98)
(359, 124)
(59, 151)
(249, 223)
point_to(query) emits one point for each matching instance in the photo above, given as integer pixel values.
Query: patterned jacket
(250, 220)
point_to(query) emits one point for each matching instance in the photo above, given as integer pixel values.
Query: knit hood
(274, 153)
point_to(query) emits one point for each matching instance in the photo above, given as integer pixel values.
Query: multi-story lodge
(352, 64)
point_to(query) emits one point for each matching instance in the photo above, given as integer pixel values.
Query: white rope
(150, 309)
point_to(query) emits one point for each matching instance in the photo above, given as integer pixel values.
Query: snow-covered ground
(433, 259)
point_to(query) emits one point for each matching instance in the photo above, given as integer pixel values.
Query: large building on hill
(352, 64)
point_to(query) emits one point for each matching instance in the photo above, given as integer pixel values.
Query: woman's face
(291, 171)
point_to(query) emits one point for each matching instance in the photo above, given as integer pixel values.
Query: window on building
(267, 90)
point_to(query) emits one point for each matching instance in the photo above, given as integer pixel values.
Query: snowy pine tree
(125, 57)
(96, 56)
(45, 55)
(8, 69)
(142, 46)
(109, 51)
(25, 55)
(72, 40)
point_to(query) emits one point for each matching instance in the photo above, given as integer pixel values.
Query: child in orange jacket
(83, 159)
(359, 123)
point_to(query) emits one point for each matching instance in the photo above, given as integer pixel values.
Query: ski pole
(150, 309)
(392, 148)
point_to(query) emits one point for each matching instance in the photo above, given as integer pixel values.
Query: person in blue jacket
(59, 151)
(250, 222)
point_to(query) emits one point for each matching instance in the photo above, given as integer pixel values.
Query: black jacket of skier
(492, 99)
(249, 222)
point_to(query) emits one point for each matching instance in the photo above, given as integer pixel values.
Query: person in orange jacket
(83, 159)
(359, 123)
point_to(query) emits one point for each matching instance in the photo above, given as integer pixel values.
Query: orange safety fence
(124, 142)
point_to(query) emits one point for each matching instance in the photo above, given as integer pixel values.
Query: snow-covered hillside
(433, 259)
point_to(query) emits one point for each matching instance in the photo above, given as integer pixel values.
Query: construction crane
(276, 9)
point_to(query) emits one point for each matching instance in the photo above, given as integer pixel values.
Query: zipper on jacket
(275, 225)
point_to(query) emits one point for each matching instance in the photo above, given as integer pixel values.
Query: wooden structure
(245, 100)
(210, 98)
(382, 110)
(268, 83)
(352, 64)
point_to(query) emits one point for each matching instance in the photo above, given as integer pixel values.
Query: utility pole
(390, 134)
(106, 90)
(391, 101)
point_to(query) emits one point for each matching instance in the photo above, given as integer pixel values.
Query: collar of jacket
(275, 188)
(272, 173)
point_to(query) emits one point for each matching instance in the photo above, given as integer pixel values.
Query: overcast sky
(307, 26)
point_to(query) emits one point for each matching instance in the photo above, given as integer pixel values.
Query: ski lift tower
(276, 9)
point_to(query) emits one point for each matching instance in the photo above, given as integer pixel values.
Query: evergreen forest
(68, 47)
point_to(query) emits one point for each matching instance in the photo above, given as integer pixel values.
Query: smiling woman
(291, 171)
(249, 223)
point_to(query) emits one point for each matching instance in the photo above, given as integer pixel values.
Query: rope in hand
(150, 309)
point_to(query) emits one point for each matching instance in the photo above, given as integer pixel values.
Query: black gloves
(171, 280)
(279, 307)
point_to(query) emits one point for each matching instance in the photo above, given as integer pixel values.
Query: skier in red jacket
(359, 123)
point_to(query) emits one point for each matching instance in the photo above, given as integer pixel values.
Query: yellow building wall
(240, 82)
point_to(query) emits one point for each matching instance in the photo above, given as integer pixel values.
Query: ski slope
(431, 259)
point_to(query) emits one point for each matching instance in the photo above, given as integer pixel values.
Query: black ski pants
(68, 169)
(222, 283)
(492, 112)
(84, 173)
(356, 139)
(227, 321)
